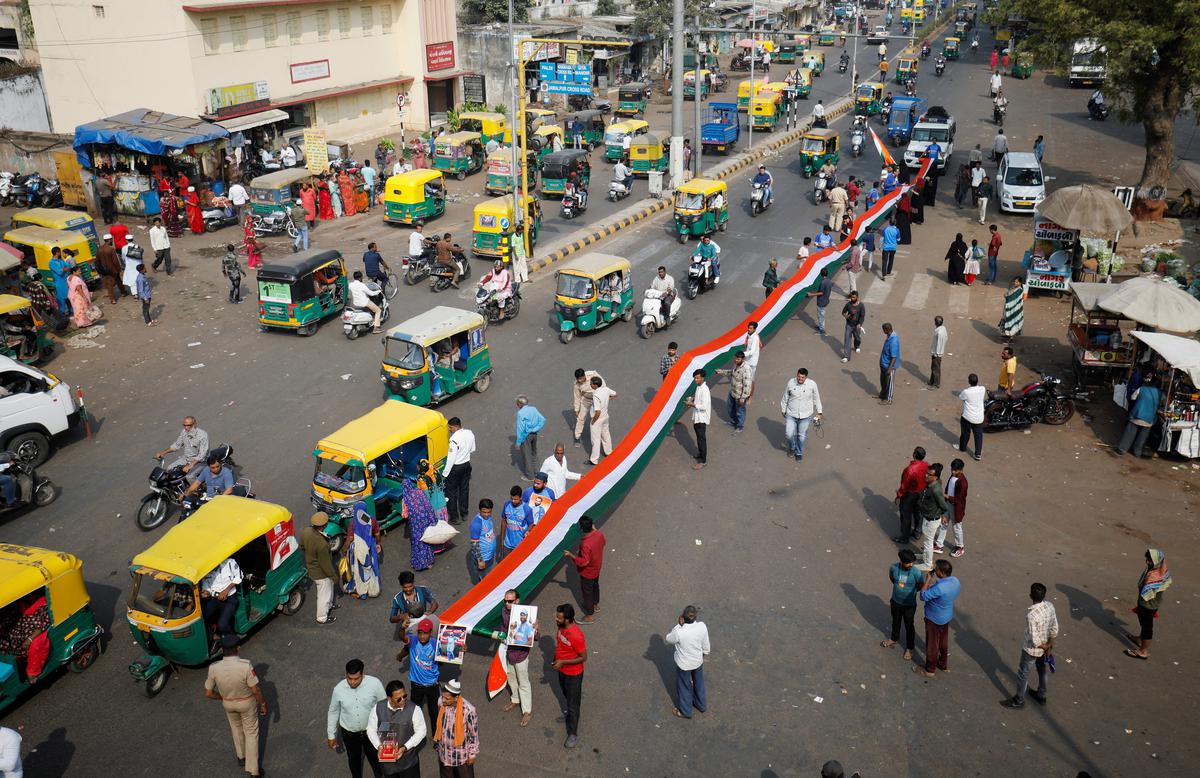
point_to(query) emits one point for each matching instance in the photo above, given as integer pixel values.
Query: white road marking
(960, 300)
(918, 292)
(879, 288)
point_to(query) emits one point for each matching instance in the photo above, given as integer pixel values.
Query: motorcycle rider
(939, 64)
(216, 479)
(844, 60)
(498, 281)
(445, 258)
(708, 249)
(664, 283)
(767, 180)
(360, 297)
(995, 83)
(622, 175)
(417, 243)
(975, 43)
(1000, 103)
(193, 441)
(1096, 104)
(887, 103)
(575, 187)
(376, 269)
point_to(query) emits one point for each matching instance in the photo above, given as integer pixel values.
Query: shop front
(1175, 361)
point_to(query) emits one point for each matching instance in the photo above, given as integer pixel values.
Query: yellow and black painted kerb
(745, 160)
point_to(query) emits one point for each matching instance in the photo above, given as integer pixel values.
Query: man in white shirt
(398, 716)
(219, 597)
(457, 473)
(752, 346)
(238, 196)
(601, 438)
(937, 350)
(10, 753)
(701, 405)
(690, 638)
(557, 471)
(801, 404)
(996, 83)
(416, 243)
(664, 283)
(971, 420)
(360, 298)
(287, 156)
(400, 167)
(621, 173)
(160, 242)
(581, 402)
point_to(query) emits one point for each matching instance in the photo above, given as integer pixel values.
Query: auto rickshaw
(814, 61)
(539, 117)
(459, 153)
(494, 225)
(593, 293)
(32, 347)
(817, 147)
(500, 170)
(557, 168)
(414, 197)
(369, 459)
(745, 88)
(542, 140)
(488, 125)
(804, 42)
(167, 601)
(868, 99)
(786, 53)
(960, 30)
(906, 65)
(276, 192)
(592, 132)
(827, 36)
(1022, 64)
(631, 99)
(32, 579)
(689, 84)
(950, 48)
(764, 114)
(701, 207)
(783, 89)
(37, 243)
(60, 219)
(803, 83)
(296, 292)
(614, 136)
(432, 357)
(646, 153)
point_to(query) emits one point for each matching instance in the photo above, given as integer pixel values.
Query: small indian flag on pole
(884, 154)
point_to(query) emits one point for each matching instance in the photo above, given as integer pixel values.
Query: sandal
(525, 719)
(908, 655)
(1136, 655)
(887, 644)
(509, 707)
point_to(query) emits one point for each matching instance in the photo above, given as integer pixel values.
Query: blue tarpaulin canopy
(146, 131)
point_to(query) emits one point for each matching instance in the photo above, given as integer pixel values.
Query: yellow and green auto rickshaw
(276, 192)
(689, 84)
(784, 92)
(589, 125)
(558, 167)
(544, 139)
(817, 147)
(814, 61)
(804, 42)
(950, 48)
(170, 611)
(296, 292)
(786, 54)
(36, 244)
(631, 99)
(614, 136)
(746, 89)
(539, 117)
(802, 82)
(493, 225)
(701, 207)
(827, 36)
(500, 170)
(595, 291)
(868, 99)
(486, 124)
(369, 459)
(60, 219)
(414, 197)
(24, 336)
(42, 596)
(906, 65)
(764, 114)
(431, 357)
(646, 153)
(459, 153)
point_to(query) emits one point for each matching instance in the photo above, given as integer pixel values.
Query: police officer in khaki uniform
(233, 682)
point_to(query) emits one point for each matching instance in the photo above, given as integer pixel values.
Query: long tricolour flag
(881, 147)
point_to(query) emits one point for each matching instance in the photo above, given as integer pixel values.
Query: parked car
(1020, 184)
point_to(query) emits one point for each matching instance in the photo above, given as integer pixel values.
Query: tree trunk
(1159, 108)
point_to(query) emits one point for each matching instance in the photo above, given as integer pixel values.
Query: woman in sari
(417, 510)
(363, 555)
(169, 205)
(335, 197)
(308, 199)
(418, 154)
(195, 217)
(25, 635)
(80, 297)
(346, 189)
(956, 257)
(1013, 320)
(324, 201)
(254, 249)
(1154, 581)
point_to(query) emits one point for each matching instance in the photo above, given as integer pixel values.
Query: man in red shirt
(120, 235)
(993, 253)
(588, 562)
(570, 652)
(912, 481)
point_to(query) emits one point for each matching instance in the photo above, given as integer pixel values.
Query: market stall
(1177, 360)
(137, 148)
(1058, 254)
(1101, 349)
(1049, 261)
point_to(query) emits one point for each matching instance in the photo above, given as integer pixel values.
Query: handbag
(1120, 395)
(134, 252)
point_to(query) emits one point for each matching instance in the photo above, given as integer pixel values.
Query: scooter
(819, 123)
(910, 87)
(652, 318)
(18, 190)
(441, 280)
(974, 47)
(820, 188)
(758, 198)
(1045, 402)
(1097, 112)
(700, 276)
(925, 51)
(489, 308)
(998, 112)
(858, 135)
(167, 487)
(939, 66)
(843, 65)
(6, 181)
(573, 204)
(216, 217)
(31, 488)
(619, 190)
(359, 321)
(50, 194)
(33, 188)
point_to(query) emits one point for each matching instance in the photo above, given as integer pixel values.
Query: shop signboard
(563, 79)
(474, 89)
(70, 178)
(1053, 282)
(439, 56)
(1044, 229)
(316, 152)
(532, 51)
(309, 71)
(238, 98)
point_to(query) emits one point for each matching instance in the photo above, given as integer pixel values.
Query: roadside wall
(23, 103)
(25, 152)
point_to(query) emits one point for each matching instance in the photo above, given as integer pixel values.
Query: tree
(1153, 61)
(487, 11)
(606, 8)
(653, 17)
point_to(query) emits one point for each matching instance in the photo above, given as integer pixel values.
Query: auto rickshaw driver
(610, 294)
(766, 179)
(20, 333)
(325, 279)
(219, 598)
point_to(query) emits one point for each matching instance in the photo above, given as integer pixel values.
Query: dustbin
(654, 180)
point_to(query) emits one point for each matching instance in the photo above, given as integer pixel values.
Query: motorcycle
(1045, 401)
(6, 179)
(975, 46)
(652, 318)
(417, 269)
(167, 487)
(819, 123)
(925, 50)
(489, 307)
(858, 135)
(50, 194)
(619, 190)
(33, 187)
(758, 198)
(1097, 112)
(939, 67)
(275, 223)
(700, 276)
(820, 188)
(359, 321)
(910, 87)
(441, 279)
(998, 112)
(18, 190)
(843, 65)
(573, 204)
(31, 488)
(216, 217)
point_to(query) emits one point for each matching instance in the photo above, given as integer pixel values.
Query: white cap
(191, 189)
(107, 236)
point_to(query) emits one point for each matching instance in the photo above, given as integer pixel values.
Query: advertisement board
(238, 98)
(439, 56)
(316, 153)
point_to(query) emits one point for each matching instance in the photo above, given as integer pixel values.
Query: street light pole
(697, 94)
(677, 93)
(517, 61)
(753, 51)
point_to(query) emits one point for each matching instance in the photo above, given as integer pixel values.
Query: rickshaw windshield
(575, 287)
(404, 354)
(814, 145)
(275, 291)
(867, 92)
(691, 200)
(940, 134)
(470, 125)
(339, 476)
(165, 599)
(615, 136)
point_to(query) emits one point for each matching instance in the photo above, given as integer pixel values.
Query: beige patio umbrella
(1087, 208)
(1156, 302)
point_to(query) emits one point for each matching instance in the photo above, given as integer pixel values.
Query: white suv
(34, 408)
(1020, 185)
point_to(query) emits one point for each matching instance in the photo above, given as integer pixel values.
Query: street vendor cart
(1048, 262)
(1102, 351)
(1177, 360)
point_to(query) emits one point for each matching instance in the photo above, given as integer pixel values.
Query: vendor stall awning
(145, 131)
(1089, 295)
(1181, 353)
(252, 120)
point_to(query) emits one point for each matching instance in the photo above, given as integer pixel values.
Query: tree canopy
(1153, 60)
(606, 7)
(653, 17)
(487, 11)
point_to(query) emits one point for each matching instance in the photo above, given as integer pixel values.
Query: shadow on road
(982, 652)
(871, 608)
(52, 756)
(882, 510)
(662, 657)
(939, 429)
(1086, 607)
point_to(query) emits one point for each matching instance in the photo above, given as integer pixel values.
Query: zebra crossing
(918, 290)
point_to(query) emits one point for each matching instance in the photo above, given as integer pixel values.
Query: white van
(35, 407)
(1020, 185)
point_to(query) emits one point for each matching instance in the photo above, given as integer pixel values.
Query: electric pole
(677, 33)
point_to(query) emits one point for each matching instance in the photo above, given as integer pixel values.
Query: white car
(34, 408)
(1020, 184)
(879, 36)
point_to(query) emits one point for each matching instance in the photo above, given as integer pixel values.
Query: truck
(902, 118)
(936, 124)
(1089, 62)
(720, 127)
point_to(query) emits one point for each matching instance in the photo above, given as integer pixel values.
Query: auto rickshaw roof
(548, 129)
(25, 568)
(955, 40)
(12, 302)
(435, 324)
(52, 215)
(296, 266)
(565, 156)
(584, 116)
(280, 178)
(540, 112)
(777, 86)
(629, 125)
(646, 139)
(484, 115)
(501, 204)
(595, 265)
(383, 429)
(873, 84)
(703, 186)
(458, 138)
(413, 181)
(194, 548)
(633, 86)
(35, 235)
(7, 260)
(823, 133)
(703, 72)
(766, 97)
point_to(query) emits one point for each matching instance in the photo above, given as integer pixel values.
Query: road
(788, 561)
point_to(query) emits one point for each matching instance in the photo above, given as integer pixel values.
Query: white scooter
(359, 321)
(652, 318)
(758, 198)
(858, 135)
(618, 190)
(820, 189)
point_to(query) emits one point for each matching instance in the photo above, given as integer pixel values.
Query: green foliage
(653, 17)
(606, 8)
(487, 11)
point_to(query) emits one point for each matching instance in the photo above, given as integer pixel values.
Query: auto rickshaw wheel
(459, 176)
(86, 658)
(294, 602)
(482, 383)
(566, 336)
(628, 314)
(156, 683)
(306, 330)
(336, 542)
(44, 494)
(683, 237)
